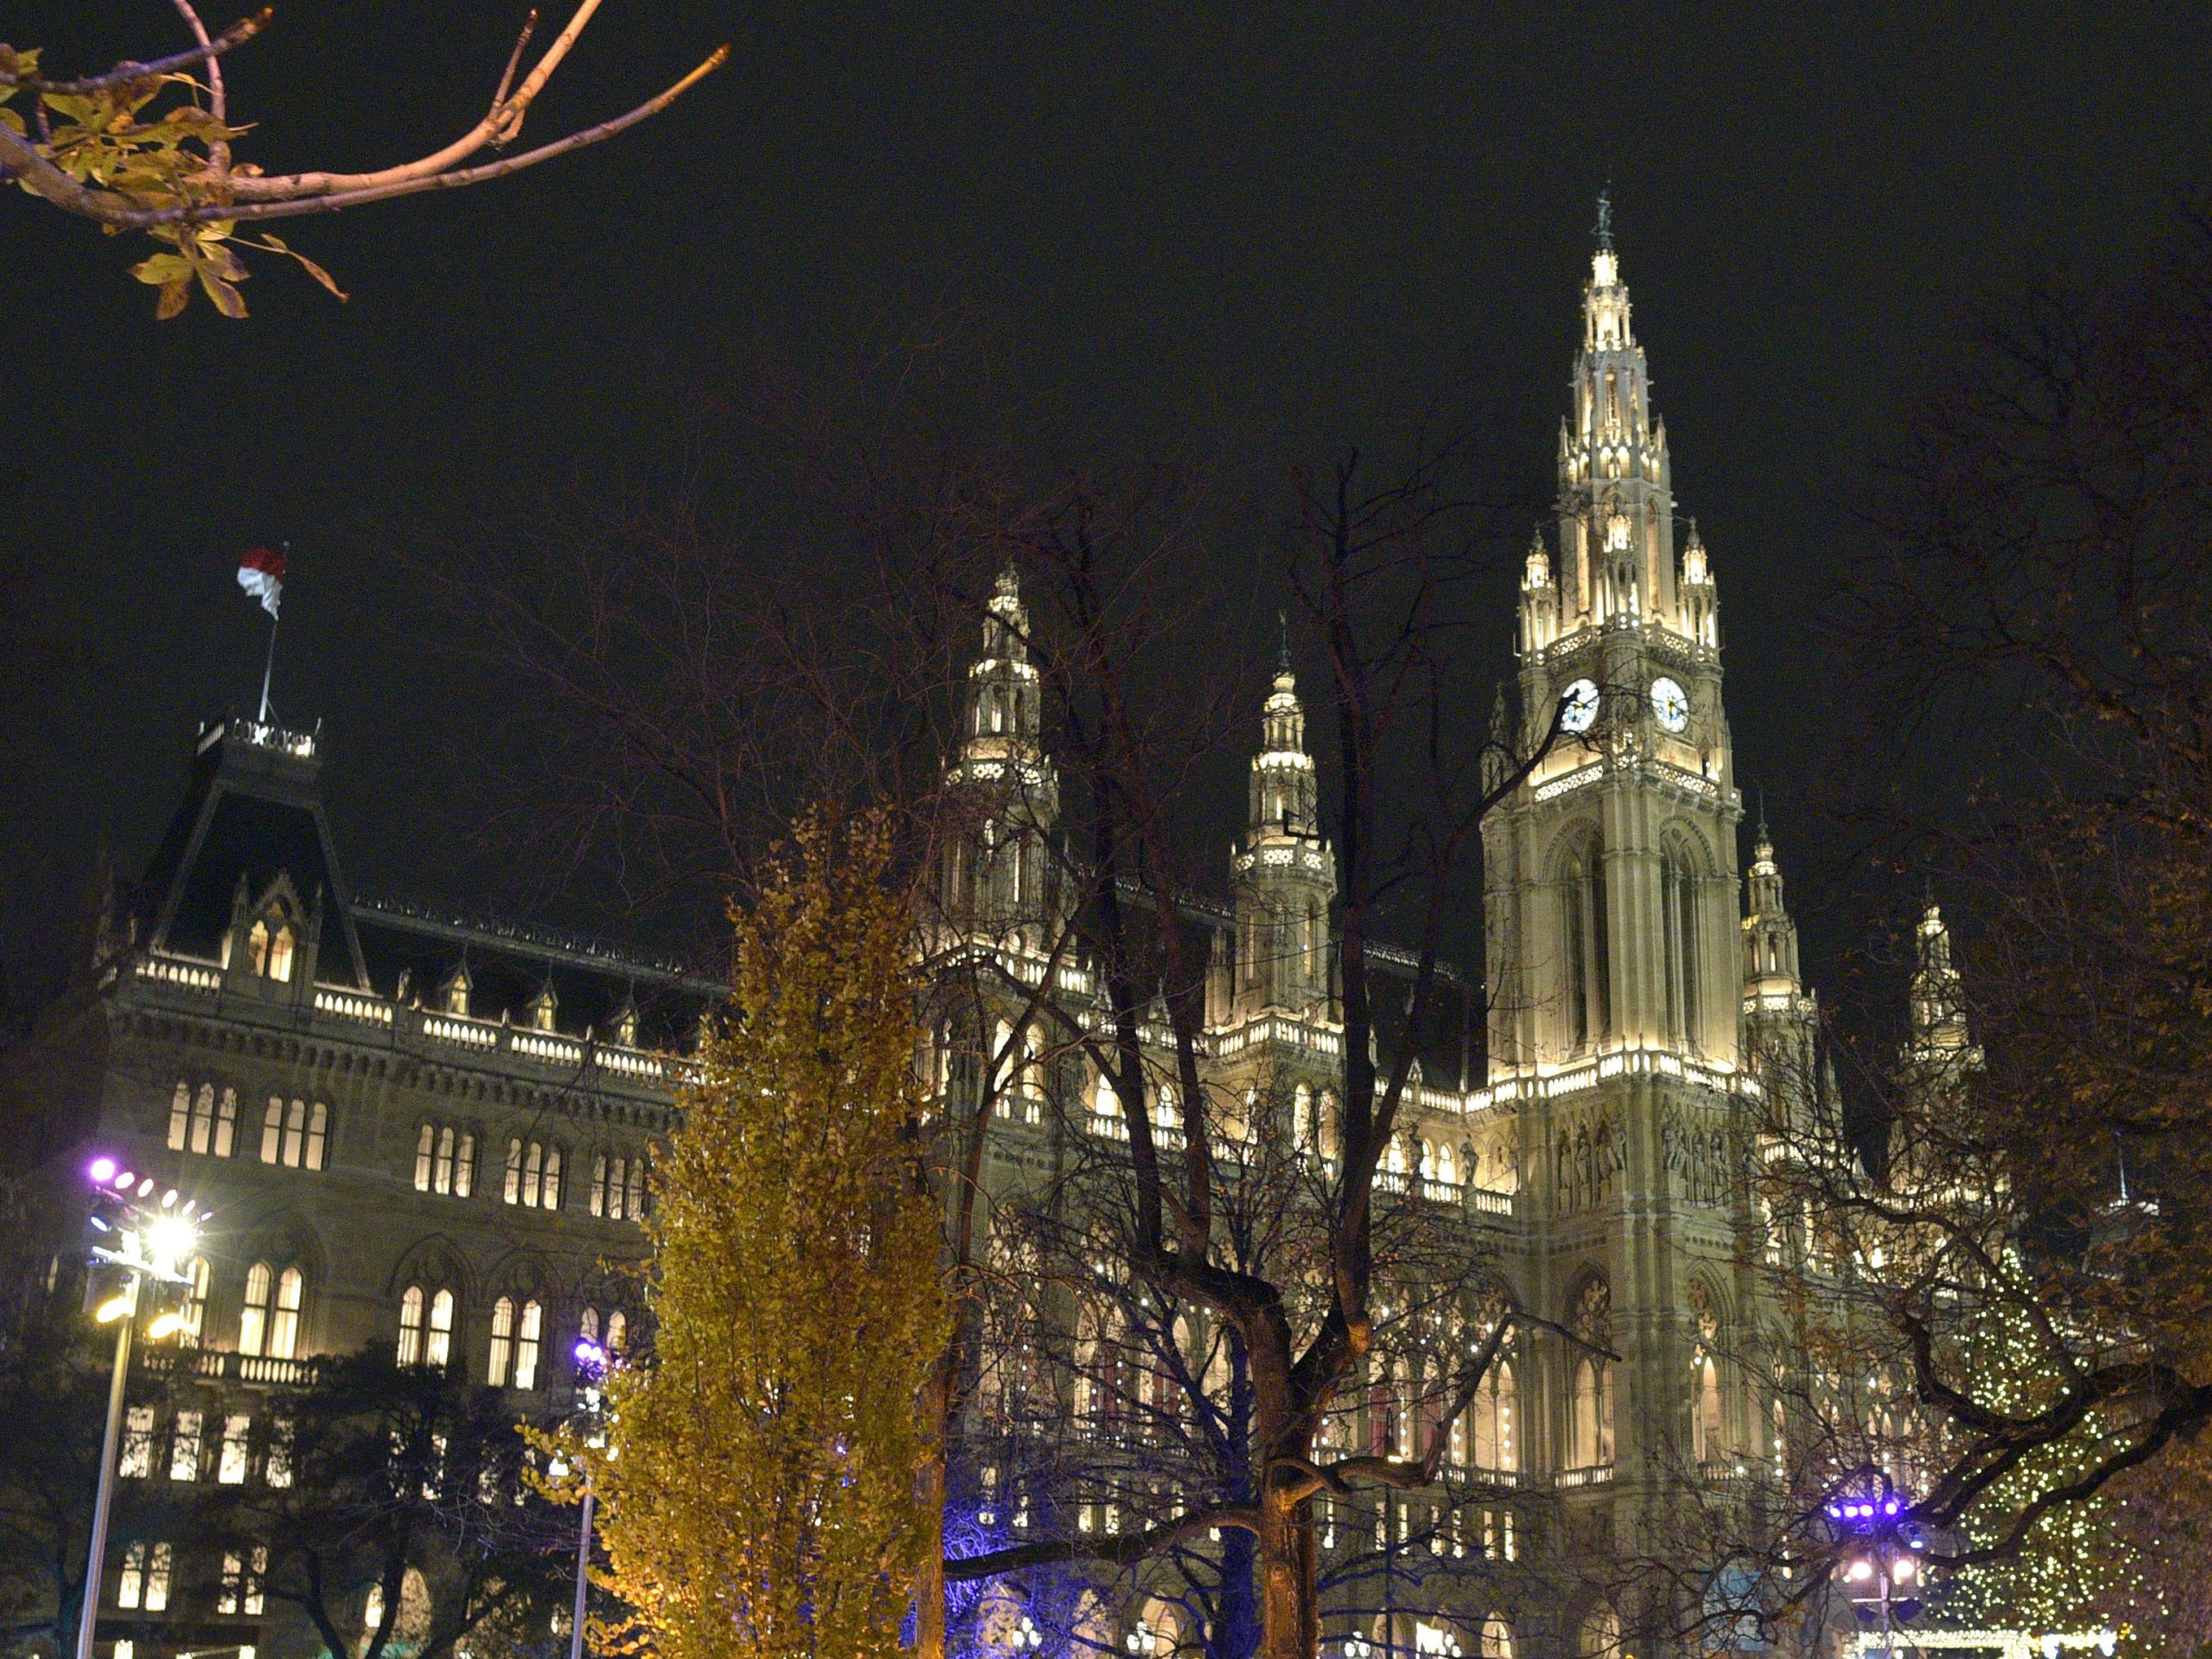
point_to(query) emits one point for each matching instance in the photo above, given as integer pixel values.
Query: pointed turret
(1285, 874)
(995, 873)
(1939, 1036)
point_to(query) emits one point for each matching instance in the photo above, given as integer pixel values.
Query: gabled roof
(252, 811)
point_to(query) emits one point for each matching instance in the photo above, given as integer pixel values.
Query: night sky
(1276, 229)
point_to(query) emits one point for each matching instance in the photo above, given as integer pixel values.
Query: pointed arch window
(1585, 946)
(1680, 914)
(268, 1318)
(437, 1343)
(413, 1304)
(502, 1342)
(295, 1136)
(193, 1310)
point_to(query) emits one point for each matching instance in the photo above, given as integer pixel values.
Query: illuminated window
(277, 1471)
(134, 1458)
(445, 1161)
(243, 1570)
(533, 1175)
(411, 1308)
(502, 1341)
(192, 1310)
(232, 1464)
(258, 947)
(617, 1331)
(284, 1322)
(437, 1348)
(280, 955)
(297, 1135)
(527, 1336)
(185, 1447)
(253, 1314)
(145, 1577)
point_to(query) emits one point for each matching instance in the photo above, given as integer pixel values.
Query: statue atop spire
(1605, 217)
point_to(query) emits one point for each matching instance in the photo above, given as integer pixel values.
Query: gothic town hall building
(434, 1133)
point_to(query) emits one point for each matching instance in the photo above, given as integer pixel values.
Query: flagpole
(268, 666)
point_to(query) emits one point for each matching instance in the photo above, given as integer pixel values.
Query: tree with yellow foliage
(757, 1483)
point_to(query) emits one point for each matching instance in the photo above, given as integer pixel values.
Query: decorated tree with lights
(757, 1486)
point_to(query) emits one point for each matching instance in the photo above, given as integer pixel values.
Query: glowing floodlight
(102, 1170)
(165, 1325)
(113, 1308)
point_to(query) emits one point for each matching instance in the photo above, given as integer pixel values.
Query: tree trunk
(1290, 1586)
(929, 1588)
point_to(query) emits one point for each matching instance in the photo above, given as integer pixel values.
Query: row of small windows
(198, 1445)
(143, 1584)
(426, 1334)
(295, 1134)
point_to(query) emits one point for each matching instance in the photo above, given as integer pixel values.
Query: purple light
(590, 1353)
(102, 1170)
(1890, 1507)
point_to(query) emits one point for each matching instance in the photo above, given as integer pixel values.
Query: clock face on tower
(1578, 706)
(1671, 704)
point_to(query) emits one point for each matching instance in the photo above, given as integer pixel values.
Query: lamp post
(146, 1241)
(591, 1369)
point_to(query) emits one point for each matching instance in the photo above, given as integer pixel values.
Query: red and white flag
(261, 573)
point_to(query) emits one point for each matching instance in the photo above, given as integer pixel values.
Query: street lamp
(1357, 1646)
(1027, 1637)
(145, 1242)
(1885, 1567)
(591, 1361)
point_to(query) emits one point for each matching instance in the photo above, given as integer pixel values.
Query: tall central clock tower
(1614, 967)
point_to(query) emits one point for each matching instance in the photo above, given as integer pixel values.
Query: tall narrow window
(550, 1197)
(134, 1459)
(437, 1347)
(295, 1133)
(425, 1140)
(231, 1463)
(284, 1319)
(441, 1177)
(514, 1172)
(253, 1314)
(534, 1161)
(465, 1164)
(184, 1446)
(258, 947)
(240, 1591)
(280, 955)
(411, 1326)
(1572, 933)
(502, 1342)
(588, 1325)
(226, 1123)
(180, 1114)
(1707, 1426)
(527, 1337)
(318, 1134)
(637, 1186)
(193, 1310)
(617, 1330)
(599, 1184)
(203, 1117)
(273, 1131)
(277, 1470)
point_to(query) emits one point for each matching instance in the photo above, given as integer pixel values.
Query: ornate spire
(1605, 218)
(1938, 1008)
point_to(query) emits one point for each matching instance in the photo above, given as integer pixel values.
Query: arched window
(1599, 1637)
(1585, 946)
(258, 947)
(411, 1308)
(1496, 1412)
(1678, 905)
(588, 1325)
(533, 1175)
(253, 1314)
(280, 954)
(617, 1331)
(502, 1342)
(1497, 1637)
(194, 1310)
(1708, 1434)
(297, 1135)
(437, 1344)
(529, 1331)
(291, 1290)
(1591, 1404)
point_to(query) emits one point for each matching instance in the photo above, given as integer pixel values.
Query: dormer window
(454, 993)
(270, 950)
(541, 1007)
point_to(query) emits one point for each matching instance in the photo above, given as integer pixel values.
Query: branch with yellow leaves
(89, 147)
